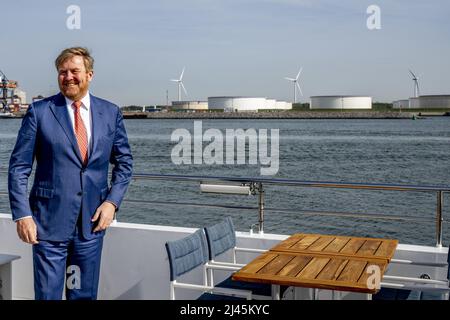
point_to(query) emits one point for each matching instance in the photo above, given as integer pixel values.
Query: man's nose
(68, 76)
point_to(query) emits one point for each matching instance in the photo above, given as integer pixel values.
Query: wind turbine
(180, 85)
(296, 85)
(416, 84)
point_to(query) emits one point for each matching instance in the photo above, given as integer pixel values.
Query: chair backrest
(221, 237)
(187, 253)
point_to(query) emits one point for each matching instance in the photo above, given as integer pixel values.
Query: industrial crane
(5, 86)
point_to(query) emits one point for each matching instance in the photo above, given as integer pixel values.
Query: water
(366, 151)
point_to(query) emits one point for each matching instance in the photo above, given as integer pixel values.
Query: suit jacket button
(79, 193)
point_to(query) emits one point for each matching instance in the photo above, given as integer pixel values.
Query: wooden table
(321, 261)
(372, 248)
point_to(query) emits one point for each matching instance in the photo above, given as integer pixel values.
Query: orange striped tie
(80, 132)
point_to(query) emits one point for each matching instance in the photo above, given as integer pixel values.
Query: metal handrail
(259, 187)
(293, 182)
(439, 190)
(357, 215)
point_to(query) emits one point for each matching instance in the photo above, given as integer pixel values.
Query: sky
(232, 47)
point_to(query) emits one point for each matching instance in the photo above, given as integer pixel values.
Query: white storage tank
(283, 105)
(233, 104)
(280, 105)
(190, 105)
(341, 102)
(441, 101)
(287, 105)
(270, 104)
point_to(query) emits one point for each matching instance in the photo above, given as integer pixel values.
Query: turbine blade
(174, 80)
(300, 89)
(298, 74)
(290, 79)
(182, 72)
(184, 89)
(412, 74)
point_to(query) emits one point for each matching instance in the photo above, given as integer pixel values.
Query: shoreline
(277, 115)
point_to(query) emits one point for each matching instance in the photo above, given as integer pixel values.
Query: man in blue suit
(72, 136)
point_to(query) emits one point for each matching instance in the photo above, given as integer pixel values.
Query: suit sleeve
(122, 162)
(20, 166)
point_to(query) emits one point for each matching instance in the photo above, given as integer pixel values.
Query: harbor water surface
(397, 151)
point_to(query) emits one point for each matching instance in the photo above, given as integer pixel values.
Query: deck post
(261, 208)
(439, 219)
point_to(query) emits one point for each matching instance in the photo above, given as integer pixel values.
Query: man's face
(73, 79)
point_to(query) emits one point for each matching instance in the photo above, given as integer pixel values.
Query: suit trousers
(73, 265)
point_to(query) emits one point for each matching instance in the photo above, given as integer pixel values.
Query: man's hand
(106, 214)
(27, 230)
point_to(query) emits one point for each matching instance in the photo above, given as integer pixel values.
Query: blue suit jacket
(63, 188)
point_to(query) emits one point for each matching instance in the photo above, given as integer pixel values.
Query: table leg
(276, 292)
(315, 293)
(335, 295)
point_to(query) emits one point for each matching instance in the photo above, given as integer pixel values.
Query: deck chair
(187, 254)
(409, 288)
(221, 238)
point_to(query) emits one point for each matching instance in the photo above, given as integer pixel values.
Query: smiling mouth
(70, 85)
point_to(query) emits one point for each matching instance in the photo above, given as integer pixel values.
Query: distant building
(341, 102)
(151, 109)
(19, 97)
(190, 105)
(133, 108)
(14, 107)
(400, 104)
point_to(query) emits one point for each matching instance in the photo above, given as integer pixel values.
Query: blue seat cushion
(260, 289)
(403, 294)
(213, 296)
(429, 295)
(187, 253)
(396, 294)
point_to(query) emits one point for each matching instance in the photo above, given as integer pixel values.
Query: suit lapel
(96, 123)
(59, 110)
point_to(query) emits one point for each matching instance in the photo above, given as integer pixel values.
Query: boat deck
(135, 264)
